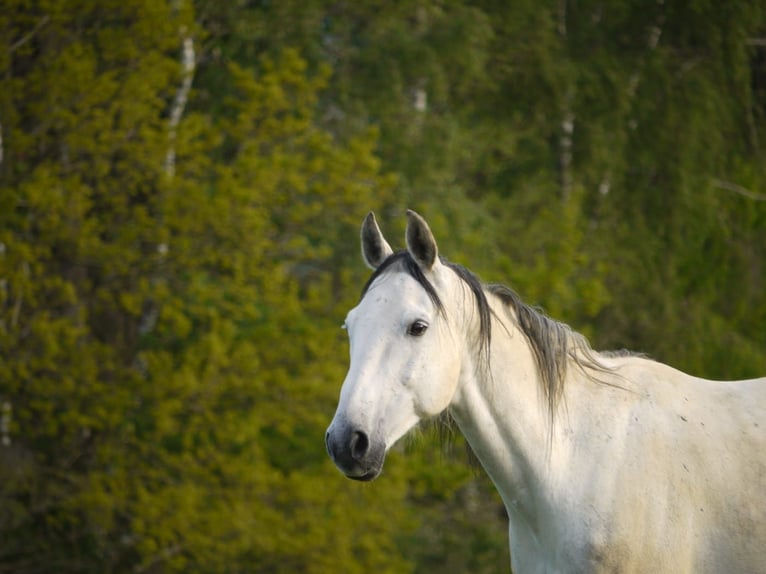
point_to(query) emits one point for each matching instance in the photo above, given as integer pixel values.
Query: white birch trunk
(179, 103)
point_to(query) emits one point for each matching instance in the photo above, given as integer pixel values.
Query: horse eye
(417, 328)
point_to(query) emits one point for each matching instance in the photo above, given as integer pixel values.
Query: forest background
(181, 188)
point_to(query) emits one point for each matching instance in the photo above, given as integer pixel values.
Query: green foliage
(170, 345)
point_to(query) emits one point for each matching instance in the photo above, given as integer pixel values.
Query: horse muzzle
(354, 453)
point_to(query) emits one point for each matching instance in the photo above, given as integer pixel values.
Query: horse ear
(375, 248)
(420, 241)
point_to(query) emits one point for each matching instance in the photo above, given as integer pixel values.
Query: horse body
(647, 469)
(604, 463)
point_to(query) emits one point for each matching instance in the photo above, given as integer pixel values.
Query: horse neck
(502, 412)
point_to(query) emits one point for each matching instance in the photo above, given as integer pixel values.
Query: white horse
(605, 463)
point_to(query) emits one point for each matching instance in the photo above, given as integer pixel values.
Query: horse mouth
(366, 477)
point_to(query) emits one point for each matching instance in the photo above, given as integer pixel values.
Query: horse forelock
(403, 261)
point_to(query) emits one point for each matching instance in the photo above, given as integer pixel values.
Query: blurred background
(181, 188)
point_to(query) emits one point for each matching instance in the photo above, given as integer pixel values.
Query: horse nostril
(360, 444)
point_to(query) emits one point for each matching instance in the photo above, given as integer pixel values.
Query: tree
(181, 186)
(161, 347)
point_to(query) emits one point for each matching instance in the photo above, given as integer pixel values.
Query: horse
(605, 462)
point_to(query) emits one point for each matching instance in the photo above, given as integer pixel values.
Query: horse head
(405, 361)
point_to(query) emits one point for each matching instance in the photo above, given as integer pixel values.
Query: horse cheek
(437, 387)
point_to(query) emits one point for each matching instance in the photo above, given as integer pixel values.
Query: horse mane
(554, 344)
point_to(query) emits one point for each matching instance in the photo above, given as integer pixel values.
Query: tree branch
(567, 124)
(653, 35)
(729, 186)
(160, 557)
(565, 151)
(652, 40)
(28, 36)
(5, 423)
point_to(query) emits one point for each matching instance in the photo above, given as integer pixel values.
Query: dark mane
(553, 343)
